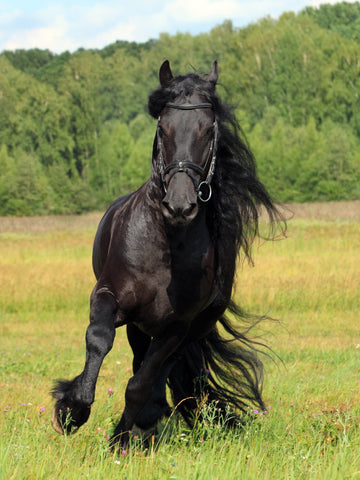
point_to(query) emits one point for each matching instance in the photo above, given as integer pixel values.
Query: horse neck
(192, 239)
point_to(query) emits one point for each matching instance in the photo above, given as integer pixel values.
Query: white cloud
(203, 10)
(69, 26)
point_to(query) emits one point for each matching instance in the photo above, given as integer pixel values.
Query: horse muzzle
(180, 205)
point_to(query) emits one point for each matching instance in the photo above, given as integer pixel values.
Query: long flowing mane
(238, 194)
(233, 216)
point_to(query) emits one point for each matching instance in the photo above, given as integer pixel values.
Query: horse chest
(180, 287)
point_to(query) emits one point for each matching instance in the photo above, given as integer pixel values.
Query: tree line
(75, 133)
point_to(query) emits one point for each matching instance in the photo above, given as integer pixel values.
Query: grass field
(309, 281)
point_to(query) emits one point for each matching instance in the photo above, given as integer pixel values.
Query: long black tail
(222, 368)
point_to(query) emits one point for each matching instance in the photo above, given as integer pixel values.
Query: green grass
(310, 282)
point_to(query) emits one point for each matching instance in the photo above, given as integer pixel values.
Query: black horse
(164, 258)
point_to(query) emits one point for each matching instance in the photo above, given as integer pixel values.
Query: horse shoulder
(103, 234)
(131, 257)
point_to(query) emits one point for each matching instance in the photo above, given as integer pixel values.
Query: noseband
(206, 173)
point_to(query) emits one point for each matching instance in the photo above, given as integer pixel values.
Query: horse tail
(221, 368)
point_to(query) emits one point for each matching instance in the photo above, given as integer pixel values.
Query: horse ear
(165, 74)
(213, 75)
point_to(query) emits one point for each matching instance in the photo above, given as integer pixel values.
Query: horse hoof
(56, 423)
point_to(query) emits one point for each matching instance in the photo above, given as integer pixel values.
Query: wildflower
(110, 391)
(42, 409)
(123, 453)
(201, 440)
(207, 371)
(255, 411)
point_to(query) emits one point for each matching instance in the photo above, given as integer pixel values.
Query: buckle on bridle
(204, 195)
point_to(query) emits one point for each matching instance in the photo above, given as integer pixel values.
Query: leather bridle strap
(188, 106)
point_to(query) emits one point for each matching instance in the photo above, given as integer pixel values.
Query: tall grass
(309, 281)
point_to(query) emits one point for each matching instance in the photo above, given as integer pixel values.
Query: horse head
(186, 142)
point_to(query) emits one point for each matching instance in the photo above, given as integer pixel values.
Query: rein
(206, 173)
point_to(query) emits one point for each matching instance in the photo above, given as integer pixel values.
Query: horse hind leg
(75, 397)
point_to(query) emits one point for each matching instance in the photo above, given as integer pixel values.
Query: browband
(188, 106)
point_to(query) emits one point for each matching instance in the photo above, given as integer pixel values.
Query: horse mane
(233, 215)
(238, 194)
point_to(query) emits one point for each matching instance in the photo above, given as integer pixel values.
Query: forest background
(75, 133)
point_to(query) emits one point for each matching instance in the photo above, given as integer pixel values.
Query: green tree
(23, 186)
(106, 168)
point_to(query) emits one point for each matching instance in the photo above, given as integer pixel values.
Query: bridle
(206, 173)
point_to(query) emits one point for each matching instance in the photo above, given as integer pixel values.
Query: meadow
(309, 281)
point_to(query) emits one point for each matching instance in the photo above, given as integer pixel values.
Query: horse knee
(100, 338)
(137, 394)
(100, 333)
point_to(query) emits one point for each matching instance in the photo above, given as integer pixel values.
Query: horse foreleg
(74, 397)
(157, 406)
(142, 385)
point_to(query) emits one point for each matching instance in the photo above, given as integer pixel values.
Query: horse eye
(210, 131)
(161, 132)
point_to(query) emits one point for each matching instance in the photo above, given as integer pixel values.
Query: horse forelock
(180, 88)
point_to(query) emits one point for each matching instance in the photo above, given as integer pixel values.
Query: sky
(60, 25)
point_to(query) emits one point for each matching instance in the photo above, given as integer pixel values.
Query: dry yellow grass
(309, 281)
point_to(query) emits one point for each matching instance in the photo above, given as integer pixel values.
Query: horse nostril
(178, 212)
(188, 211)
(168, 210)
